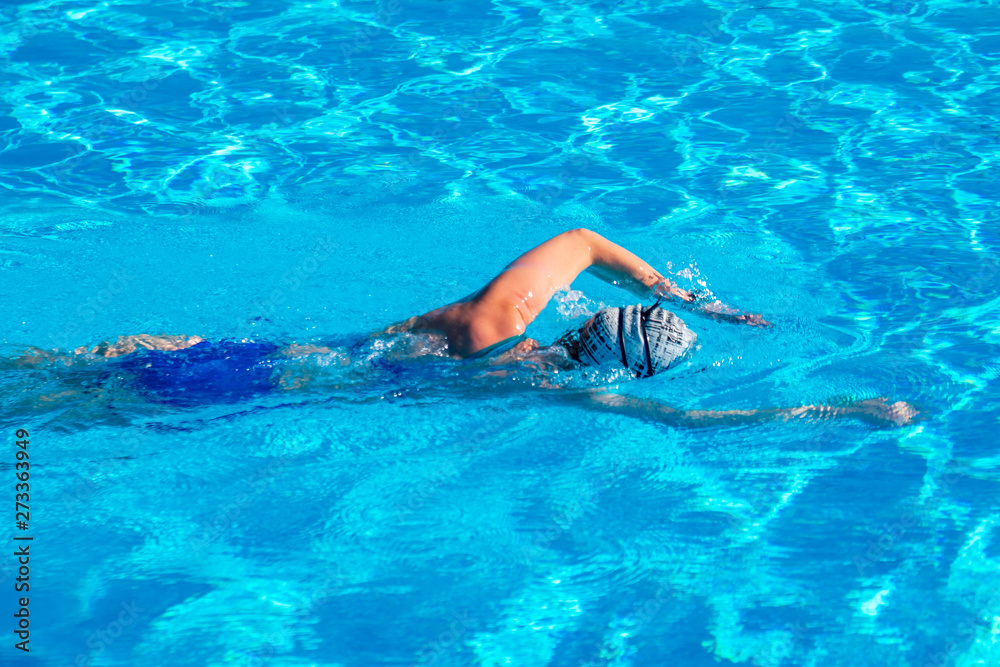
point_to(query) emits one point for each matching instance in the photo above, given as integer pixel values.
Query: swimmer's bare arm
(530, 280)
(129, 344)
(617, 266)
(124, 345)
(716, 310)
(878, 412)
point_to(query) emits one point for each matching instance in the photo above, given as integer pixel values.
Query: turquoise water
(312, 171)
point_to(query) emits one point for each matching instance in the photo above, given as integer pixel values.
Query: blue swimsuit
(208, 372)
(227, 371)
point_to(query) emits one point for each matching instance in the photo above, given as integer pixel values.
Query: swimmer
(492, 322)
(496, 317)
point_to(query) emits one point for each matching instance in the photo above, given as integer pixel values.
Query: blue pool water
(309, 172)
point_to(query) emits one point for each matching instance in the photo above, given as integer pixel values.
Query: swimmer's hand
(702, 303)
(129, 344)
(720, 311)
(880, 411)
(754, 320)
(667, 290)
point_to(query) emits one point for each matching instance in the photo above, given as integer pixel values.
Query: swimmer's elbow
(584, 234)
(587, 241)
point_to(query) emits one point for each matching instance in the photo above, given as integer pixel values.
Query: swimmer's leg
(298, 378)
(34, 357)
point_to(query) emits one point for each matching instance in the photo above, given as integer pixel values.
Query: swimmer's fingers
(683, 294)
(667, 289)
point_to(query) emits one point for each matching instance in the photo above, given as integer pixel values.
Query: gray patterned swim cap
(644, 341)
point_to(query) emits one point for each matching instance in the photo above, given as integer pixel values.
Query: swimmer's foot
(881, 411)
(33, 357)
